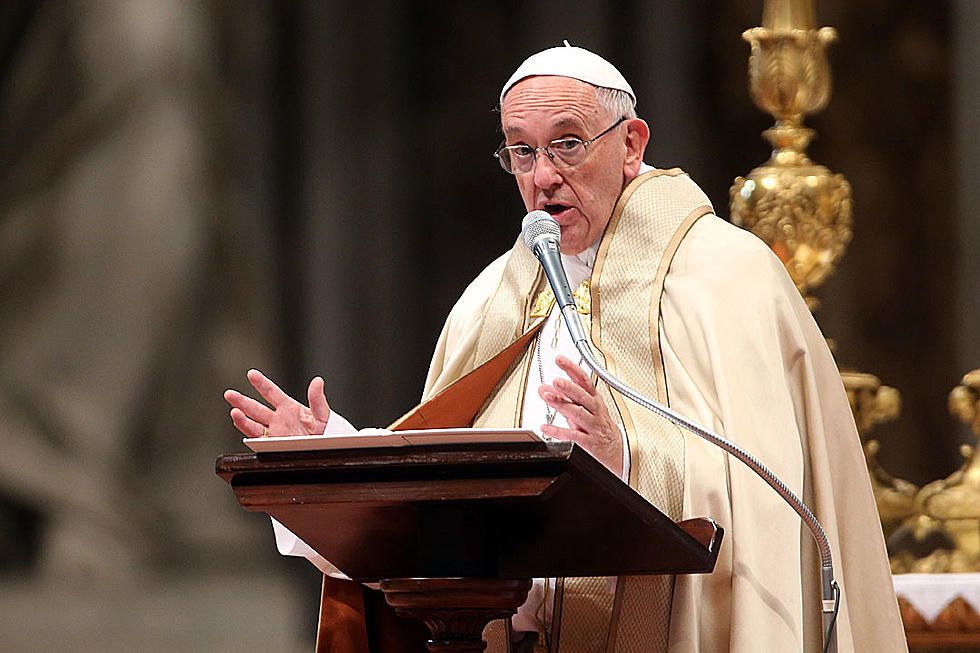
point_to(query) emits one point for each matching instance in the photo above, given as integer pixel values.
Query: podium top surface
(512, 510)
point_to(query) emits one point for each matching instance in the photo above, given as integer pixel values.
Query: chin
(571, 249)
(574, 244)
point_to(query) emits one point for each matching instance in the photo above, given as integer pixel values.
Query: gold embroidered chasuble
(739, 352)
(651, 216)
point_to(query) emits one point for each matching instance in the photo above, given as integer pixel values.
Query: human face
(538, 110)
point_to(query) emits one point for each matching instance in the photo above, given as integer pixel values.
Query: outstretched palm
(286, 416)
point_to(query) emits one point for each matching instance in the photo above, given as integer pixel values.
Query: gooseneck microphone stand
(542, 234)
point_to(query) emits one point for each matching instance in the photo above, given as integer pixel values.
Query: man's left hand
(589, 423)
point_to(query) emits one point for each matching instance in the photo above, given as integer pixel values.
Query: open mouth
(556, 209)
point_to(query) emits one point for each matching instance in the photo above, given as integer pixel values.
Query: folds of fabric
(742, 355)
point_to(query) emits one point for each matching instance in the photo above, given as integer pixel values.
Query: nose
(545, 172)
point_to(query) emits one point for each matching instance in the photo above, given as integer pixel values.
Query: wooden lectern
(454, 533)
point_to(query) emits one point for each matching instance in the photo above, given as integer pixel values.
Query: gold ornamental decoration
(546, 299)
(949, 508)
(964, 401)
(871, 404)
(800, 209)
(803, 212)
(955, 500)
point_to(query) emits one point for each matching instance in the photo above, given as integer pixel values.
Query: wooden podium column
(474, 603)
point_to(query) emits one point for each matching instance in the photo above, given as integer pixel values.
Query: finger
(575, 373)
(318, 400)
(610, 458)
(595, 413)
(552, 397)
(269, 390)
(249, 427)
(253, 409)
(577, 417)
(559, 433)
(577, 394)
(558, 400)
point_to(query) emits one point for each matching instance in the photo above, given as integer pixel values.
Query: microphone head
(539, 223)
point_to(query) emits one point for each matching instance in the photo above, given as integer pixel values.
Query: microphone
(542, 235)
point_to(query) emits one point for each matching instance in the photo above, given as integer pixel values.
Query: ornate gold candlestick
(802, 210)
(799, 208)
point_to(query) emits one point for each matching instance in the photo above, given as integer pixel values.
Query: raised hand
(589, 422)
(286, 417)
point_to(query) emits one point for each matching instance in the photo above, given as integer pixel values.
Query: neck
(578, 267)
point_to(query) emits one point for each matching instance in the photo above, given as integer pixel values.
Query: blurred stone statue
(132, 255)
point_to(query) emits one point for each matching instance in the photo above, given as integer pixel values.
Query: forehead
(548, 102)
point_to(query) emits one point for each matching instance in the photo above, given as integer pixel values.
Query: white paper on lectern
(340, 434)
(383, 438)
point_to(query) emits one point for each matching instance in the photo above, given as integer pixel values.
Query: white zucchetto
(570, 61)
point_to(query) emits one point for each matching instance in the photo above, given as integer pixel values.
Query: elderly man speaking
(690, 310)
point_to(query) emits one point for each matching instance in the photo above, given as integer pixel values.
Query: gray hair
(615, 101)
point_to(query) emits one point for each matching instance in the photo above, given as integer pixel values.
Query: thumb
(318, 401)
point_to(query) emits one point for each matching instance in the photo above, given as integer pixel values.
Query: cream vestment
(702, 316)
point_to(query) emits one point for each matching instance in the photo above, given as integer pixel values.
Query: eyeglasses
(563, 152)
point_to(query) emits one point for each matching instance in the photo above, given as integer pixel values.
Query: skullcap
(574, 62)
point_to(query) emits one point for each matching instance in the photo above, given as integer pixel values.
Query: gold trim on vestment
(499, 328)
(530, 318)
(656, 469)
(556, 614)
(596, 335)
(638, 613)
(658, 289)
(546, 299)
(595, 331)
(525, 372)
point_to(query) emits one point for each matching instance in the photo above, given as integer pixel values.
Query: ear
(637, 137)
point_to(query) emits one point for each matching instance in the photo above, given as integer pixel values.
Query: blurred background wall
(190, 189)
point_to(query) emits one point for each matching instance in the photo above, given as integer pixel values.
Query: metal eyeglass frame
(555, 159)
